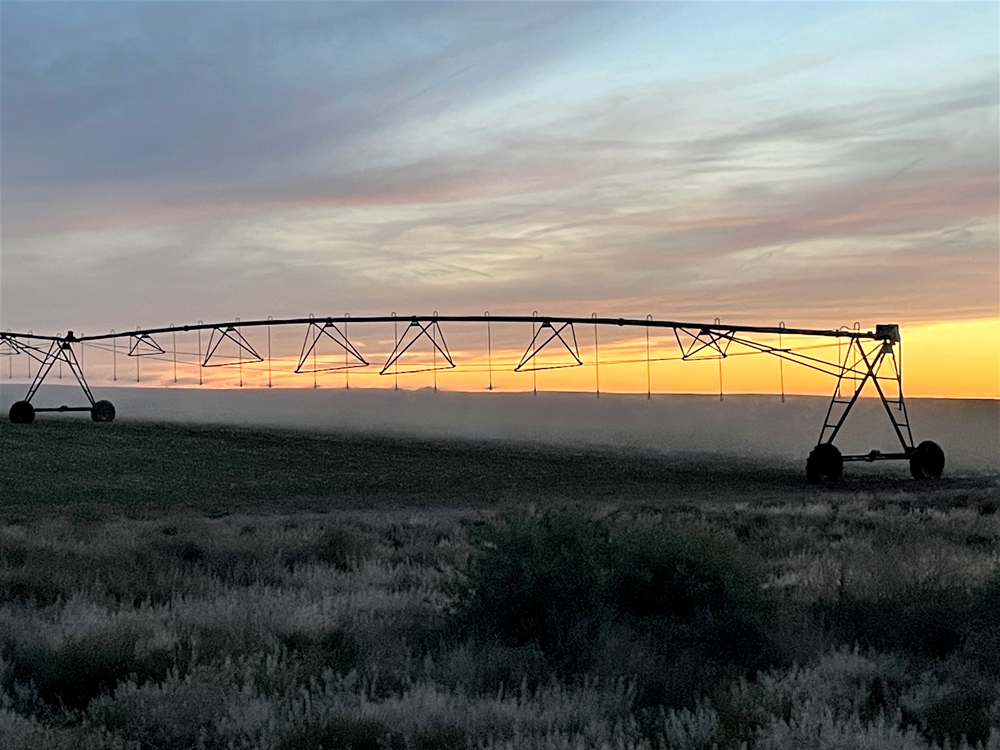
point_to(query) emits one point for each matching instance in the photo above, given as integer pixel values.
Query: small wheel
(22, 413)
(103, 411)
(825, 464)
(927, 461)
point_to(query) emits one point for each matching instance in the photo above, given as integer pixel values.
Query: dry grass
(298, 630)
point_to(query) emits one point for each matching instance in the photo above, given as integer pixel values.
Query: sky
(818, 163)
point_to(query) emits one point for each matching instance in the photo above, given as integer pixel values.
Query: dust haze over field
(740, 425)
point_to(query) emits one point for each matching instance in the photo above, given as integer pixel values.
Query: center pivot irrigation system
(863, 357)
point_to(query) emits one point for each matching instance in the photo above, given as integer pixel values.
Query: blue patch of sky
(217, 83)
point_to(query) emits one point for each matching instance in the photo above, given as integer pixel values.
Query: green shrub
(13, 554)
(30, 586)
(918, 621)
(956, 717)
(672, 666)
(682, 572)
(189, 553)
(534, 578)
(81, 669)
(985, 604)
(571, 584)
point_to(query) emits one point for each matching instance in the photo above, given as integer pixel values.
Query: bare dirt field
(742, 425)
(72, 466)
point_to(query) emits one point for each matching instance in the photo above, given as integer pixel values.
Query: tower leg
(825, 461)
(23, 412)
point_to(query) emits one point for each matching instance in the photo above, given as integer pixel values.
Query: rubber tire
(927, 461)
(22, 413)
(103, 411)
(825, 464)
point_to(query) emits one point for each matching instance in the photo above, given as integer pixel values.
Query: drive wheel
(22, 413)
(927, 461)
(825, 464)
(103, 411)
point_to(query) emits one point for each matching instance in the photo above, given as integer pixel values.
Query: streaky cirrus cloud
(817, 162)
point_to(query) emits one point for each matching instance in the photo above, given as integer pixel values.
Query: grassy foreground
(177, 587)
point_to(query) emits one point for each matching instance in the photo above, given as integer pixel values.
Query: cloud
(219, 160)
(236, 91)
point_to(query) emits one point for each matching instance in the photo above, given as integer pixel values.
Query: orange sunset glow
(946, 360)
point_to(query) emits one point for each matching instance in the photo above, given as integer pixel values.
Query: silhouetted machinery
(864, 357)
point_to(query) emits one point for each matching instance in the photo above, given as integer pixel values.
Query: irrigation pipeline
(864, 357)
(717, 327)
